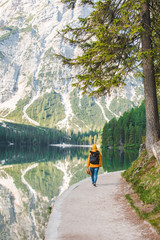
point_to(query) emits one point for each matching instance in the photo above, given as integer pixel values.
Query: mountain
(35, 87)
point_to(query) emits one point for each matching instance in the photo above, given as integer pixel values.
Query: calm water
(30, 181)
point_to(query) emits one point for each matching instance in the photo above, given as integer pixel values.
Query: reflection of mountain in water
(31, 180)
(27, 189)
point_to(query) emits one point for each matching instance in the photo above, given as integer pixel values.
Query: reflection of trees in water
(45, 179)
(114, 159)
(13, 155)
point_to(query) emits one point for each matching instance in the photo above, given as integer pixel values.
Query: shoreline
(64, 145)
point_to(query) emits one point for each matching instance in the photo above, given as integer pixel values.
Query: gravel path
(85, 212)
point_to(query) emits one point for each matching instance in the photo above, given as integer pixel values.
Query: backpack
(94, 157)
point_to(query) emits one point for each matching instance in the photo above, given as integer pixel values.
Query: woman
(94, 162)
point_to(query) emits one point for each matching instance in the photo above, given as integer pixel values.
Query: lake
(30, 181)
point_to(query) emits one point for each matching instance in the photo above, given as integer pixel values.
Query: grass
(144, 176)
(130, 200)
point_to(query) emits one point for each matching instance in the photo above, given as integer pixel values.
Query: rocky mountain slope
(35, 87)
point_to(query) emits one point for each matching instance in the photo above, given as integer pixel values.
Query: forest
(27, 135)
(20, 134)
(128, 131)
(118, 38)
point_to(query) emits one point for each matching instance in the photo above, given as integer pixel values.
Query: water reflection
(115, 160)
(31, 180)
(12, 155)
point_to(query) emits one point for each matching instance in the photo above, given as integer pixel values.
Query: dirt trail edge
(85, 212)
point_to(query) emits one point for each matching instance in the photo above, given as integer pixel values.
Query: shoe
(94, 184)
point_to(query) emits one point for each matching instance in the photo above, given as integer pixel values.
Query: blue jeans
(94, 174)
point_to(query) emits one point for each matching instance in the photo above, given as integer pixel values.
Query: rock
(156, 151)
(29, 68)
(142, 148)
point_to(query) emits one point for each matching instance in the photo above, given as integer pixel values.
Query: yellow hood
(94, 147)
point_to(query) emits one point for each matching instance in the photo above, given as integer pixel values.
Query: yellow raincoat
(94, 149)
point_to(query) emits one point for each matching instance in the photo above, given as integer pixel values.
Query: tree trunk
(152, 119)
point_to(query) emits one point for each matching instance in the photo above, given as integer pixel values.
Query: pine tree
(152, 118)
(127, 130)
(119, 37)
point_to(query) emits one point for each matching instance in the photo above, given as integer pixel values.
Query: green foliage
(47, 110)
(89, 113)
(29, 18)
(18, 112)
(130, 200)
(110, 40)
(12, 30)
(144, 175)
(71, 3)
(120, 105)
(108, 113)
(27, 29)
(37, 137)
(117, 159)
(106, 58)
(87, 110)
(45, 179)
(26, 135)
(85, 138)
(78, 169)
(127, 131)
(15, 173)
